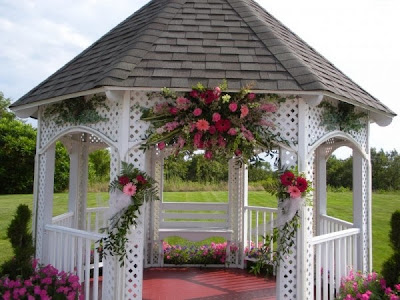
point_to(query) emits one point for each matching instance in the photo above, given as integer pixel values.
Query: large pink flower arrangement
(221, 123)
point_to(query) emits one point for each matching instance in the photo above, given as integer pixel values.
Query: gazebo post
(360, 208)
(44, 201)
(320, 186)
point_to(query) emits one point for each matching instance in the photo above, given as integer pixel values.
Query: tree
(391, 267)
(99, 166)
(339, 172)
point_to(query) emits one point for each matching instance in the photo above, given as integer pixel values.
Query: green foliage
(391, 267)
(385, 170)
(21, 241)
(4, 111)
(99, 166)
(342, 117)
(77, 110)
(17, 148)
(61, 171)
(339, 172)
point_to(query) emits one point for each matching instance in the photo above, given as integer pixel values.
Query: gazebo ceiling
(177, 43)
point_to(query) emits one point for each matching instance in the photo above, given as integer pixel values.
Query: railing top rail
(260, 208)
(193, 206)
(336, 220)
(62, 216)
(96, 209)
(334, 236)
(75, 232)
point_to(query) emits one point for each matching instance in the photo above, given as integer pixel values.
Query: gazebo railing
(65, 220)
(260, 222)
(330, 224)
(72, 250)
(96, 218)
(335, 253)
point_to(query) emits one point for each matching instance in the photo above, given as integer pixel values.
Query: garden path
(205, 284)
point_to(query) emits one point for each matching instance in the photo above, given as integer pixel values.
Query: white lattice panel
(40, 205)
(361, 136)
(308, 231)
(286, 120)
(315, 129)
(365, 237)
(137, 128)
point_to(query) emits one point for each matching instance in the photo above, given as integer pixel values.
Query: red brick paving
(205, 284)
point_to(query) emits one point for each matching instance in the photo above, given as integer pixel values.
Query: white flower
(226, 98)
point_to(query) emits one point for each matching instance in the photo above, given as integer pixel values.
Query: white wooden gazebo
(177, 43)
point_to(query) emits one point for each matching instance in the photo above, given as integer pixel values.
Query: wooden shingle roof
(177, 43)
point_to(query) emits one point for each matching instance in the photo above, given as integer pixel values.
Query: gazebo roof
(177, 43)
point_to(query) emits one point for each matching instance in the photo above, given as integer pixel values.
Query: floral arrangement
(357, 286)
(343, 117)
(45, 283)
(221, 123)
(129, 190)
(77, 110)
(215, 253)
(290, 190)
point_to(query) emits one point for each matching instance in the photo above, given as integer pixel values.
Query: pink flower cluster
(295, 185)
(217, 122)
(358, 286)
(46, 283)
(130, 186)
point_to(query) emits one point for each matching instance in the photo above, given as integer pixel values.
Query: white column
(45, 188)
(78, 181)
(360, 208)
(320, 186)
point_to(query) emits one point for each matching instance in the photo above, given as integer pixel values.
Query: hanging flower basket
(221, 123)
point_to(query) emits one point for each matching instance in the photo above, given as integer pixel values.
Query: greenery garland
(77, 110)
(343, 117)
(140, 188)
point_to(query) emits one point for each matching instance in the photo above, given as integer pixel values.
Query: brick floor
(205, 284)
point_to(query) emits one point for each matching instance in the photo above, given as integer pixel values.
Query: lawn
(339, 205)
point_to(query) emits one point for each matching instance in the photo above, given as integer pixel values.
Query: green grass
(339, 205)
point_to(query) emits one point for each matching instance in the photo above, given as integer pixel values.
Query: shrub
(364, 287)
(391, 267)
(21, 242)
(45, 283)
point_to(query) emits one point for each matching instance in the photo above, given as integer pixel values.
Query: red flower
(212, 129)
(194, 94)
(161, 145)
(287, 178)
(208, 154)
(223, 125)
(238, 152)
(141, 179)
(301, 184)
(209, 96)
(123, 180)
(173, 110)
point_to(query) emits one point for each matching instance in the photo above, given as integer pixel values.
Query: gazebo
(176, 44)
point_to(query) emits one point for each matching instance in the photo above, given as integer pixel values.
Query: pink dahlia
(294, 192)
(202, 125)
(287, 178)
(197, 112)
(216, 117)
(232, 131)
(129, 189)
(223, 125)
(301, 184)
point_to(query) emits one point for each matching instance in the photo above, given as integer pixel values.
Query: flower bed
(367, 286)
(45, 283)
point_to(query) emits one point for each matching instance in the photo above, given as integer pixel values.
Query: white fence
(74, 251)
(330, 224)
(65, 220)
(96, 218)
(335, 254)
(260, 222)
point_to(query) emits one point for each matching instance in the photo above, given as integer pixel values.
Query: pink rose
(251, 96)
(161, 145)
(269, 107)
(216, 117)
(233, 107)
(232, 131)
(197, 112)
(173, 110)
(194, 94)
(212, 129)
(217, 91)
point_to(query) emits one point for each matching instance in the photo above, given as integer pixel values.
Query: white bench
(194, 221)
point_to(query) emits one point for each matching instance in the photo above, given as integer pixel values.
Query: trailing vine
(77, 110)
(343, 117)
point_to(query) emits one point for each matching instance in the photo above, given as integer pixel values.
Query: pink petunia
(294, 192)
(397, 287)
(233, 107)
(212, 129)
(216, 117)
(129, 189)
(251, 96)
(232, 131)
(182, 103)
(208, 154)
(197, 112)
(173, 110)
(269, 107)
(244, 111)
(202, 125)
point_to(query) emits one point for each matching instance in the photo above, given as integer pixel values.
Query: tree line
(17, 155)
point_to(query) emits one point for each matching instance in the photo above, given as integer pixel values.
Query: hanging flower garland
(221, 123)
(128, 191)
(291, 191)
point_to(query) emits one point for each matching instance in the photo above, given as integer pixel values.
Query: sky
(360, 37)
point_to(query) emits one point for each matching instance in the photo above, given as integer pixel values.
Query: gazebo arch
(176, 44)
